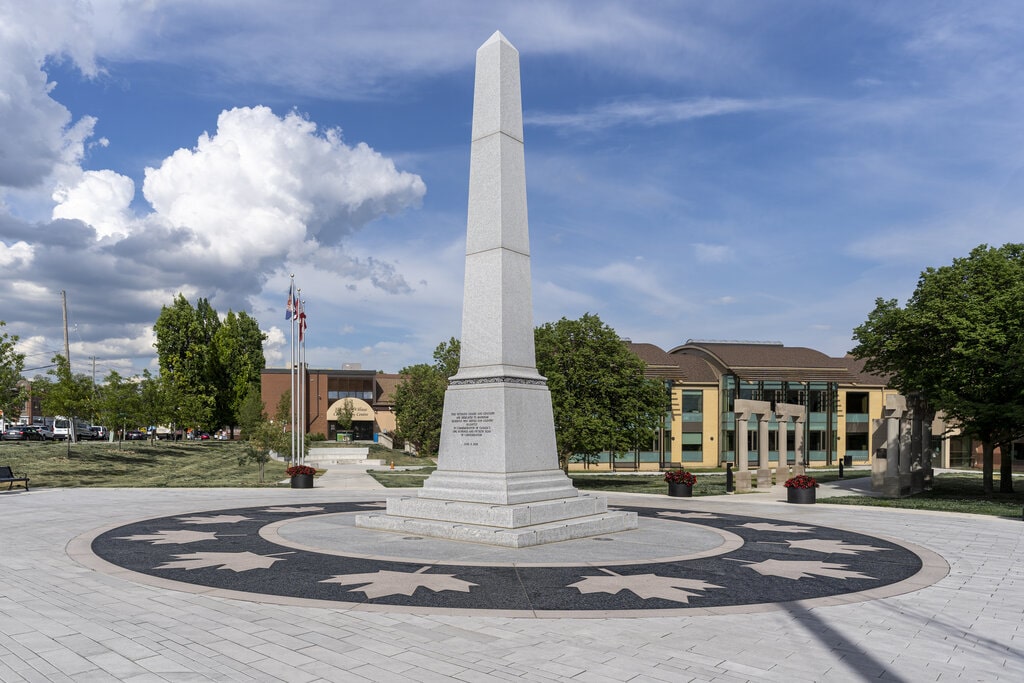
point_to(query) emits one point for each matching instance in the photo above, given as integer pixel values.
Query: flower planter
(802, 496)
(302, 481)
(680, 490)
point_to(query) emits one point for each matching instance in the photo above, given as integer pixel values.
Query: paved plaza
(67, 615)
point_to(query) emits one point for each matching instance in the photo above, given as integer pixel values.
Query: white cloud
(262, 185)
(101, 199)
(16, 256)
(655, 112)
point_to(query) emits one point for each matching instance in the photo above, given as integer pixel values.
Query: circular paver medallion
(678, 562)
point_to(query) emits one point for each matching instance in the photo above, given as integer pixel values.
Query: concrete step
(341, 456)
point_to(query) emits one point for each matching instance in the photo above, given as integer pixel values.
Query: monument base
(509, 526)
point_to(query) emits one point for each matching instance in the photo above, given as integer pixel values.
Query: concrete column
(895, 409)
(743, 409)
(743, 475)
(798, 447)
(782, 472)
(764, 471)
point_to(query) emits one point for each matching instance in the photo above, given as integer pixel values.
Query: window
(1018, 451)
(750, 391)
(693, 401)
(816, 440)
(817, 400)
(857, 441)
(856, 402)
(959, 451)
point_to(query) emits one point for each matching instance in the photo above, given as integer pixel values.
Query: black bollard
(840, 469)
(728, 477)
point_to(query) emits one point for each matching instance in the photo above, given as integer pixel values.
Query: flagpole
(291, 368)
(303, 378)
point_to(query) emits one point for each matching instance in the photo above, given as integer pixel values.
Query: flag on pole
(290, 307)
(301, 312)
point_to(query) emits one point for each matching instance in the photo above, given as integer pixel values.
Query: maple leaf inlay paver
(758, 562)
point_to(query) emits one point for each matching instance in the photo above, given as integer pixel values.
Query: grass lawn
(215, 464)
(951, 492)
(136, 464)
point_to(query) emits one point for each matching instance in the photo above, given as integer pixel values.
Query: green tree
(419, 404)
(157, 401)
(250, 412)
(239, 348)
(419, 398)
(12, 388)
(446, 357)
(959, 341)
(70, 395)
(600, 397)
(262, 439)
(343, 416)
(117, 402)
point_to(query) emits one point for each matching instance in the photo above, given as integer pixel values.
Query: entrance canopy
(361, 410)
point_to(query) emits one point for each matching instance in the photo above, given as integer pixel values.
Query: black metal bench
(7, 476)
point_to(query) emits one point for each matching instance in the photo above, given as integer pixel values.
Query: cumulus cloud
(99, 198)
(263, 184)
(226, 214)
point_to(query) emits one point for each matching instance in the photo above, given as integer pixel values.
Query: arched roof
(361, 410)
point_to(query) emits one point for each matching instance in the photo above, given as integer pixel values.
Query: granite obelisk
(497, 479)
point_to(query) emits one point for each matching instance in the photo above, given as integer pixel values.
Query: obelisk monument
(497, 479)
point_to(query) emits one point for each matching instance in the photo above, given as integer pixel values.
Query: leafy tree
(343, 417)
(183, 338)
(70, 395)
(960, 342)
(446, 357)
(118, 402)
(239, 348)
(250, 412)
(283, 413)
(12, 389)
(419, 398)
(419, 405)
(207, 365)
(157, 401)
(262, 439)
(599, 394)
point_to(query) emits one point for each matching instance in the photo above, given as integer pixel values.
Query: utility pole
(67, 357)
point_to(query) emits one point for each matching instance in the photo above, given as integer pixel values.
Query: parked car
(98, 432)
(62, 425)
(15, 433)
(38, 433)
(135, 435)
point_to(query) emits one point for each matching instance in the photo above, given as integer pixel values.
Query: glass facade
(821, 426)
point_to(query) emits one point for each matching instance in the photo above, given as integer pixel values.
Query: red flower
(300, 469)
(801, 481)
(680, 477)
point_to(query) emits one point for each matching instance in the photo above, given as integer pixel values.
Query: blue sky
(726, 170)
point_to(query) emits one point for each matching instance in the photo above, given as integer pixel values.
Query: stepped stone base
(341, 456)
(509, 526)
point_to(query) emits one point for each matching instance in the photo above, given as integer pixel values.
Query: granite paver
(61, 621)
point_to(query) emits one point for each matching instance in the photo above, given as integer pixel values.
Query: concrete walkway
(62, 621)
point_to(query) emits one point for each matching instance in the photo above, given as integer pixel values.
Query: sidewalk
(61, 621)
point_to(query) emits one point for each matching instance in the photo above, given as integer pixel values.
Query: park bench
(7, 476)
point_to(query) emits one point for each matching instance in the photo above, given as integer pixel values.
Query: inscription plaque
(471, 425)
